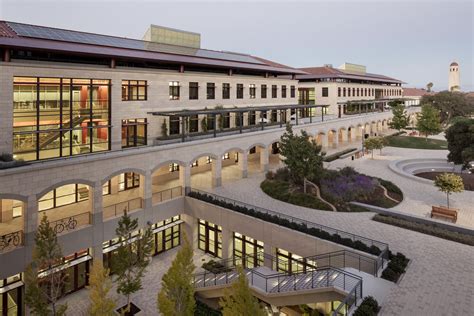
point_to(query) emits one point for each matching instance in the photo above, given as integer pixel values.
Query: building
(412, 96)
(109, 125)
(454, 81)
(350, 85)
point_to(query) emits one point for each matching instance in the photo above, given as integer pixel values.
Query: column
(264, 159)
(324, 140)
(344, 137)
(243, 164)
(97, 219)
(216, 171)
(267, 262)
(226, 243)
(30, 226)
(145, 190)
(335, 140)
(114, 185)
(190, 229)
(185, 178)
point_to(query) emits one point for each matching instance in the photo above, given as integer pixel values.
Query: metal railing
(119, 209)
(71, 222)
(347, 259)
(349, 301)
(11, 241)
(167, 194)
(382, 257)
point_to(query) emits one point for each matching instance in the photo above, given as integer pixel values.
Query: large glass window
(128, 181)
(240, 91)
(249, 249)
(133, 132)
(193, 91)
(226, 91)
(57, 117)
(166, 235)
(290, 263)
(210, 238)
(211, 91)
(252, 91)
(133, 90)
(174, 90)
(64, 195)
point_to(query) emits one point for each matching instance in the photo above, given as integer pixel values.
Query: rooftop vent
(166, 35)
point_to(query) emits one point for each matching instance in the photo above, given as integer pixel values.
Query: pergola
(374, 102)
(184, 115)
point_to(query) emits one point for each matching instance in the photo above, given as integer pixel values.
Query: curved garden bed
(336, 187)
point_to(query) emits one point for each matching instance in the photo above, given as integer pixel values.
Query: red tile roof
(6, 31)
(414, 92)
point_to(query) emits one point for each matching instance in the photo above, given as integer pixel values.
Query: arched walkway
(12, 223)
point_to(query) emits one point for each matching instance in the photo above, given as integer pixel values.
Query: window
(274, 91)
(166, 238)
(263, 91)
(64, 195)
(211, 91)
(193, 91)
(174, 90)
(240, 91)
(353, 92)
(208, 159)
(344, 92)
(133, 90)
(210, 238)
(348, 92)
(226, 91)
(252, 91)
(357, 91)
(58, 117)
(133, 132)
(225, 156)
(174, 125)
(106, 188)
(173, 167)
(252, 118)
(283, 91)
(248, 248)
(128, 181)
(193, 123)
(290, 263)
(293, 91)
(325, 91)
(339, 92)
(195, 164)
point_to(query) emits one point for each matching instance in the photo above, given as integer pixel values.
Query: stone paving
(440, 276)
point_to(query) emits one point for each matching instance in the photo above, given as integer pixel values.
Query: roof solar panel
(42, 32)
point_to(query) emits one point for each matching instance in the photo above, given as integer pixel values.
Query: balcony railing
(11, 241)
(168, 194)
(70, 223)
(119, 209)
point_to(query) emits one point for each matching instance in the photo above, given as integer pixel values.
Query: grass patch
(416, 142)
(427, 229)
(280, 190)
(396, 267)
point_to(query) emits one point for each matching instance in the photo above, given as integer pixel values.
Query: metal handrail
(383, 256)
(361, 258)
(69, 223)
(345, 302)
(11, 240)
(120, 211)
(173, 193)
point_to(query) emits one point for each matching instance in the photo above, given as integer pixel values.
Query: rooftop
(330, 72)
(33, 37)
(414, 92)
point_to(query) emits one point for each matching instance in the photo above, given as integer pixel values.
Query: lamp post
(363, 137)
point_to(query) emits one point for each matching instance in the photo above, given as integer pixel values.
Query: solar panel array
(42, 32)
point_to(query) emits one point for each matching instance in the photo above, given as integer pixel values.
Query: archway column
(344, 135)
(30, 225)
(264, 159)
(243, 164)
(185, 178)
(324, 140)
(97, 219)
(146, 190)
(226, 243)
(216, 171)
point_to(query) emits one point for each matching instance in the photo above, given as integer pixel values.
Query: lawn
(416, 142)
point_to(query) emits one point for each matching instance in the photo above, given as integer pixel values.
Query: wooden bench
(448, 213)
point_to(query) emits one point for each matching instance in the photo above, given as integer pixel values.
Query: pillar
(324, 140)
(335, 140)
(30, 225)
(216, 171)
(243, 164)
(267, 262)
(264, 159)
(344, 133)
(145, 190)
(185, 178)
(226, 243)
(190, 228)
(97, 219)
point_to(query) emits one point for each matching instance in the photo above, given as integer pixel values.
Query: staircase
(56, 134)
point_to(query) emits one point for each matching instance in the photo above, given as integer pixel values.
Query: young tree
(400, 118)
(302, 156)
(428, 121)
(429, 86)
(239, 301)
(460, 136)
(99, 288)
(42, 293)
(132, 257)
(449, 183)
(177, 292)
(373, 143)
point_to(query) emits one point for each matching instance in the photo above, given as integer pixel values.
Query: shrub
(215, 267)
(270, 175)
(204, 310)
(5, 157)
(282, 174)
(368, 307)
(396, 267)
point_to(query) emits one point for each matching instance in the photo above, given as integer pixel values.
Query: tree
(429, 86)
(450, 104)
(400, 118)
(373, 143)
(302, 156)
(41, 292)
(177, 292)
(99, 287)
(428, 121)
(239, 301)
(449, 183)
(132, 257)
(460, 137)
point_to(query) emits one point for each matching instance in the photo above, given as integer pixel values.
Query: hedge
(368, 307)
(301, 227)
(396, 267)
(203, 309)
(427, 229)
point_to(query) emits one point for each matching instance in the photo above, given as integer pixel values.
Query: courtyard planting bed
(416, 142)
(396, 267)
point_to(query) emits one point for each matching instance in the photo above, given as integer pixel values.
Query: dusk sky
(411, 41)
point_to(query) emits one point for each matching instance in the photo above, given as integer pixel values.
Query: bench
(440, 211)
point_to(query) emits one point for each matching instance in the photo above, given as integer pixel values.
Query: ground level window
(134, 132)
(248, 252)
(210, 238)
(290, 263)
(225, 156)
(166, 235)
(128, 181)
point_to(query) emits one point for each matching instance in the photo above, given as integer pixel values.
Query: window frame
(239, 91)
(174, 90)
(210, 91)
(127, 84)
(193, 90)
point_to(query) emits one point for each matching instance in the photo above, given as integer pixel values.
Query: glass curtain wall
(58, 117)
